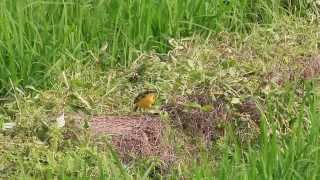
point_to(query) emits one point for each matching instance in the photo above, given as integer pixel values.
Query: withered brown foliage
(247, 119)
(305, 68)
(249, 107)
(311, 67)
(208, 122)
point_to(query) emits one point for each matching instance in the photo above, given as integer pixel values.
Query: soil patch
(134, 136)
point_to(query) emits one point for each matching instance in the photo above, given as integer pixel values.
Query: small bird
(145, 100)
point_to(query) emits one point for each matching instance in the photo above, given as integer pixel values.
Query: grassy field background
(41, 38)
(80, 57)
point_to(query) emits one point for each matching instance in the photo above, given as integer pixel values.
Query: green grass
(292, 157)
(39, 39)
(286, 146)
(50, 61)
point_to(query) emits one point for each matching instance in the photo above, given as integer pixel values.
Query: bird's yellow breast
(146, 101)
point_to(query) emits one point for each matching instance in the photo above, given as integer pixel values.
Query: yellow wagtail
(145, 100)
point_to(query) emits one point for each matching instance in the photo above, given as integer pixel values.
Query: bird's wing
(139, 97)
(143, 94)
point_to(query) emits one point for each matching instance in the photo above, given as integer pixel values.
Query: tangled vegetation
(238, 95)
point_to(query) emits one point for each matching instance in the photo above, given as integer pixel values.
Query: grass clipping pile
(208, 118)
(198, 114)
(134, 136)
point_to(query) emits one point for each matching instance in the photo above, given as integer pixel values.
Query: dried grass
(208, 123)
(311, 67)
